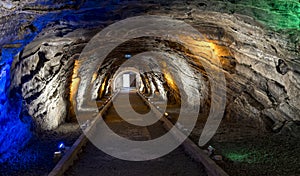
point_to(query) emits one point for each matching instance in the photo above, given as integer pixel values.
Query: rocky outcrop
(261, 84)
(43, 75)
(261, 66)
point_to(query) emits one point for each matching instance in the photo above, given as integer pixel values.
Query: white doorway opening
(121, 80)
(126, 80)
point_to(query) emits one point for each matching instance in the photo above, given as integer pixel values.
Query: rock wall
(261, 65)
(43, 75)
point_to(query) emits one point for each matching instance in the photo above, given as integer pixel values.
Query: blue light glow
(14, 133)
(128, 56)
(15, 129)
(61, 146)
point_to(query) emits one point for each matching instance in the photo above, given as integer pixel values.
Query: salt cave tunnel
(255, 44)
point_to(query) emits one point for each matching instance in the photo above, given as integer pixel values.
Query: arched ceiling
(256, 42)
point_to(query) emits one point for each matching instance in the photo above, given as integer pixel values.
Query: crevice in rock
(282, 67)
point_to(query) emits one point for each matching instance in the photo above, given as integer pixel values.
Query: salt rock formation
(43, 74)
(261, 66)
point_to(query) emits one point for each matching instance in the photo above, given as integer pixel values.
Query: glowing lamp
(61, 146)
(211, 150)
(128, 56)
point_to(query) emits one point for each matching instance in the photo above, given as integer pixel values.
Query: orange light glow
(94, 77)
(209, 50)
(199, 48)
(75, 81)
(101, 91)
(102, 87)
(170, 80)
(219, 50)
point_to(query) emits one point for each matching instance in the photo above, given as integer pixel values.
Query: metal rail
(190, 147)
(72, 154)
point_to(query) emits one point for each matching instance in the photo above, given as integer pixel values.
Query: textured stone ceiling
(257, 43)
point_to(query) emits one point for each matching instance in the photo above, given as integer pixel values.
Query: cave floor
(36, 159)
(95, 162)
(261, 154)
(248, 150)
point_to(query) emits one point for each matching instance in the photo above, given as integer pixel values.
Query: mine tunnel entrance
(129, 80)
(260, 68)
(126, 80)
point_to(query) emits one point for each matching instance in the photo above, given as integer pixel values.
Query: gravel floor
(269, 155)
(247, 151)
(95, 162)
(36, 159)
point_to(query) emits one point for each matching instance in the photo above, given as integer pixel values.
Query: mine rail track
(190, 148)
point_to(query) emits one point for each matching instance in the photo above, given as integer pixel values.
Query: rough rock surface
(42, 73)
(261, 66)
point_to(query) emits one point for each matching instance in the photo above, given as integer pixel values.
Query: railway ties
(93, 161)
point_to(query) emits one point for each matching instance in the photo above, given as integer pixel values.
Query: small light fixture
(211, 150)
(57, 156)
(128, 56)
(166, 114)
(61, 146)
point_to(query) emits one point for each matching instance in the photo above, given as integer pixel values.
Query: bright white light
(61, 146)
(128, 56)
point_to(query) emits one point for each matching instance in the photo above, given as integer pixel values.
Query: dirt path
(95, 162)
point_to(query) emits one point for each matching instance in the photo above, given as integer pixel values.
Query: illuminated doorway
(129, 80)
